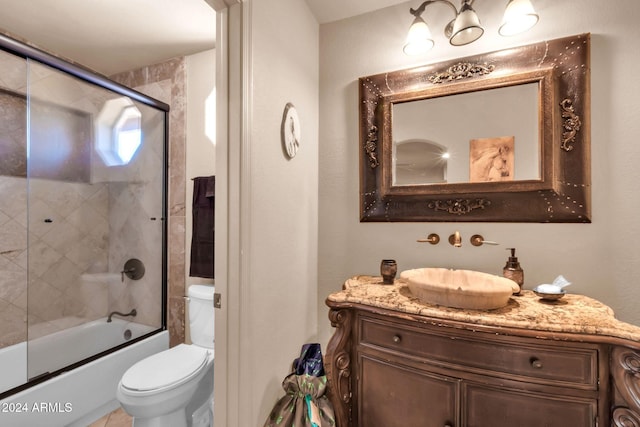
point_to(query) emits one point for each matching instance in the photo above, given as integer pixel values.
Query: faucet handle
(432, 238)
(455, 239)
(127, 271)
(478, 240)
(133, 269)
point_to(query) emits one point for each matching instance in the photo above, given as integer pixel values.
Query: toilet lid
(165, 369)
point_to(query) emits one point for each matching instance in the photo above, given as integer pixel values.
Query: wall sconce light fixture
(465, 28)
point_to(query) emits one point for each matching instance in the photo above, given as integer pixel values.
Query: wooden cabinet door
(491, 407)
(392, 395)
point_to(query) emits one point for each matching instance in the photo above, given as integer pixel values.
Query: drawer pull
(536, 363)
(448, 425)
(397, 339)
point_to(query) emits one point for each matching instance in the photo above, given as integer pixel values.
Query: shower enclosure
(83, 171)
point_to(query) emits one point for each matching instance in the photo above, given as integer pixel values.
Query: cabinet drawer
(481, 352)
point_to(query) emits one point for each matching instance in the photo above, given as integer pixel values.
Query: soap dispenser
(513, 271)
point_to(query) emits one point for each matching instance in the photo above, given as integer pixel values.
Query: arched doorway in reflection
(419, 161)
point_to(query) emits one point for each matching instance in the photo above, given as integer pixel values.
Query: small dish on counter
(545, 293)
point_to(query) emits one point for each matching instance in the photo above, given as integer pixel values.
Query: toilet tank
(201, 315)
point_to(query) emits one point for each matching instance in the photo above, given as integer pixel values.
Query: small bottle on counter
(513, 271)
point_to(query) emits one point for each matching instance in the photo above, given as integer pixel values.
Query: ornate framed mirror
(499, 137)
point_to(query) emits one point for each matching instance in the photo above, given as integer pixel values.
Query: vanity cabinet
(401, 363)
(465, 378)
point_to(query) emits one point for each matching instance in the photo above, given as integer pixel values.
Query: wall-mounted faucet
(455, 239)
(132, 313)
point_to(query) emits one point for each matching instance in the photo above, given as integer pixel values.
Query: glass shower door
(96, 229)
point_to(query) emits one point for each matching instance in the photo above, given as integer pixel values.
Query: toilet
(174, 388)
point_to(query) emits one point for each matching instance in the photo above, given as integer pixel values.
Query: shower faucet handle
(123, 272)
(133, 269)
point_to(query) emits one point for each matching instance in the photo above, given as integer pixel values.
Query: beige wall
(283, 196)
(200, 149)
(599, 258)
(269, 281)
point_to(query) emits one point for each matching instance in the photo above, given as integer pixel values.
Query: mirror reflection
(484, 136)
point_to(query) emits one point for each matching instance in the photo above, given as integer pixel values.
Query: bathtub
(78, 396)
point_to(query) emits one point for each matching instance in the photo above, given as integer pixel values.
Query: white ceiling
(111, 36)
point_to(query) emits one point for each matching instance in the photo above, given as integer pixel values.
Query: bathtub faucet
(131, 313)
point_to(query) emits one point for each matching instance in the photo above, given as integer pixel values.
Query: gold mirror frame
(561, 67)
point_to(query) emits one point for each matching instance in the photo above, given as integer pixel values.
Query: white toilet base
(203, 417)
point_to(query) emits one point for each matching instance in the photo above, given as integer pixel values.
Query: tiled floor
(117, 418)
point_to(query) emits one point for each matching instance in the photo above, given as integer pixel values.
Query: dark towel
(203, 227)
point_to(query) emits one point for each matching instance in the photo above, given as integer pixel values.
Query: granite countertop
(571, 314)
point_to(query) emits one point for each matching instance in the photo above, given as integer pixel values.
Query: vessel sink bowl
(459, 288)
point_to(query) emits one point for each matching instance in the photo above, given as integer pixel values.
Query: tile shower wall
(13, 261)
(61, 252)
(134, 201)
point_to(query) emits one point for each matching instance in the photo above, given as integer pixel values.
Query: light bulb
(519, 16)
(419, 39)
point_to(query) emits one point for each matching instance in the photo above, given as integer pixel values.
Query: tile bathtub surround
(571, 314)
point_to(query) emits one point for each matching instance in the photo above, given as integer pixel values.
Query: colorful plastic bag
(305, 403)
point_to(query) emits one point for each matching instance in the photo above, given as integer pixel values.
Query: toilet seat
(165, 370)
